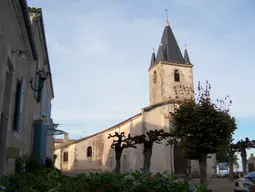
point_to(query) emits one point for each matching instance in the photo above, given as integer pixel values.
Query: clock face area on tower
(154, 77)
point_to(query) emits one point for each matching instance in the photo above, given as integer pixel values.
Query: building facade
(24, 113)
(169, 72)
(66, 140)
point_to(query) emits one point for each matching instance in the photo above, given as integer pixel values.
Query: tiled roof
(62, 140)
(113, 127)
(58, 140)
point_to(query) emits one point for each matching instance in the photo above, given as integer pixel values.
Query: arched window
(65, 158)
(89, 151)
(176, 76)
(154, 77)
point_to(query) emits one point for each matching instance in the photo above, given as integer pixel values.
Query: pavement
(219, 184)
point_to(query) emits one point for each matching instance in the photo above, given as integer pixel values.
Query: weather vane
(166, 14)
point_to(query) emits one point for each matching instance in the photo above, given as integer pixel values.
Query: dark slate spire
(169, 49)
(186, 56)
(153, 58)
(160, 54)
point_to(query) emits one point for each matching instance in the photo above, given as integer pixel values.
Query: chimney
(65, 137)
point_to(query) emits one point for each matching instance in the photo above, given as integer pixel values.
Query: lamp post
(43, 75)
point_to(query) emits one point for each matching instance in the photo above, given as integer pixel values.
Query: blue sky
(100, 53)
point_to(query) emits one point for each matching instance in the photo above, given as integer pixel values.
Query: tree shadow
(163, 156)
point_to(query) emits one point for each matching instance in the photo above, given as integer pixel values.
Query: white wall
(161, 154)
(211, 162)
(58, 160)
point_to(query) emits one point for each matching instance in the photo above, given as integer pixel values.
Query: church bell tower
(169, 69)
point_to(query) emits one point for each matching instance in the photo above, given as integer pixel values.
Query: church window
(65, 157)
(89, 151)
(176, 76)
(154, 77)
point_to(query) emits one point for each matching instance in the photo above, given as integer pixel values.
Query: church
(168, 70)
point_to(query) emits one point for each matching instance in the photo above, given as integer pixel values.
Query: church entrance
(180, 163)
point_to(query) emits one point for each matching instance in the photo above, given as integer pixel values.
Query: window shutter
(49, 113)
(44, 102)
(44, 142)
(39, 92)
(37, 137)
(19, 105)
(36, 81)
(40, 140)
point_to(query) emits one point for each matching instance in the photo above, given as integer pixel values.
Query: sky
(100, 53)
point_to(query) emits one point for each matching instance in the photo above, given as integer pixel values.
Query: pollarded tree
(122, 142)
(232, 158)
(229, 156)
(203, 127)
(243, 145)
(236, 164)
(148, 139)
(222, 156)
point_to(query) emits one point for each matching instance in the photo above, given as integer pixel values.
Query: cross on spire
(166, 10)
(166, 14)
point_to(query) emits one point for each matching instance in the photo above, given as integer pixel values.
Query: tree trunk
(147, 160)
(117, 158)
(202, 168)
(244, 161)
(231, 166)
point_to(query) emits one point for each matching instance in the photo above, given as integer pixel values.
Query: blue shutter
(37, 137)
(19, 105)
(39, 92)
(44, 102)
(44, 142)
(40, 140)
(49, 113)
(36, 80)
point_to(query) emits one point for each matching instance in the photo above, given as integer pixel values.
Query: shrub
(28, 163)
(48, 179)
(49, 163)
(33, 164)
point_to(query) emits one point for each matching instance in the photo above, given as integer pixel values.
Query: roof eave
(47, 55)
(24, 9)
(109, 129)
(39, 10)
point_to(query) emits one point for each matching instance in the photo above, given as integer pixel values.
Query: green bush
(50, 179)
(28, 163)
